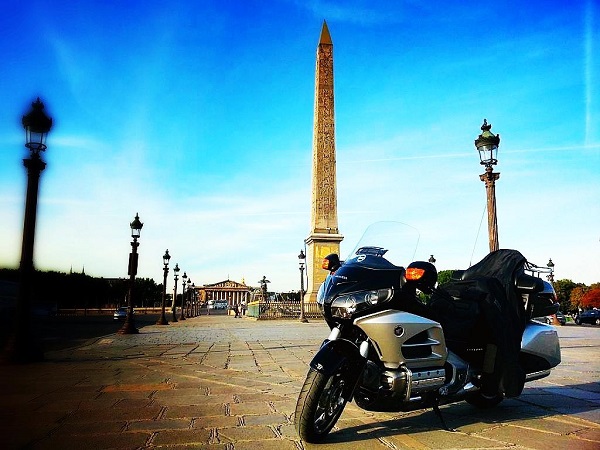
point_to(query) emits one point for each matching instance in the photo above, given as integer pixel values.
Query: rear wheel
(320, 404)
(597, 321)
(481, 401)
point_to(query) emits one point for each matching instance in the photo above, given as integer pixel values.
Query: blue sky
(198, 115)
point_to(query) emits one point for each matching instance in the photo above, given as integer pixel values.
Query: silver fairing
(541, 340)
(404, 338)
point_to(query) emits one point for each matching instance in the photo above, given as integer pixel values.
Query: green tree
(445, 276)
(78, 290)
(563, 290)
(147, 292)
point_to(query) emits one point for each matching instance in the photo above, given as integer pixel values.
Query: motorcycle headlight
(346, 305)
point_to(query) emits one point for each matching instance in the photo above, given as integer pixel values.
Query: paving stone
(257, 397)
(198, 410)
(20, 434)
(267, 444)
(215, 422)
(237, 434)
(441, 439)
(537, 439)
(158, 425)
(264, 419)
(190, 436)
(108, 415)
(93, 442)
(91, 428)
(249, 408)
(178, 399)
(217, 383)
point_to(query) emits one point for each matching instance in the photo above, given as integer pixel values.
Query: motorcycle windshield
(395, 241)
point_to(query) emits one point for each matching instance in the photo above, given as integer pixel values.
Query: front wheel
(320, 404)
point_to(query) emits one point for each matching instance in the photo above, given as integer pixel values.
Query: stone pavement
(215, 382)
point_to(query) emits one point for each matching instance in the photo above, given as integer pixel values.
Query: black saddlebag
(455, 306)
(477, 309)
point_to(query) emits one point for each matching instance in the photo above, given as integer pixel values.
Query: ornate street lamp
(189, 300)
(432, 260)
(194, 300)
(163, 319)
(301, 262)
(136, 230)
(551, 274)
(487, 145)
(174, 305)
(22, 347)
(183, 279)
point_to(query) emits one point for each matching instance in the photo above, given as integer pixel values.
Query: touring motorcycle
(399, 343)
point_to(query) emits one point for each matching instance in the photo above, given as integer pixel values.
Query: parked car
(591, 316)
(550, 319)
(120, 313)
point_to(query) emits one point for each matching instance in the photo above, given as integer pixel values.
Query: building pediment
(227, 284)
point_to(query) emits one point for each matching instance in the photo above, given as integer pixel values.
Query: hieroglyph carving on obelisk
(324, 237)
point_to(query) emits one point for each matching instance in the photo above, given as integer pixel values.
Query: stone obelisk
(324, 237)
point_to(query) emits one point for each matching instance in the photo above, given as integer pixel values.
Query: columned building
(229, 291)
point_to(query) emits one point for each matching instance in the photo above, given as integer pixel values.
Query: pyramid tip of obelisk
(325, 36)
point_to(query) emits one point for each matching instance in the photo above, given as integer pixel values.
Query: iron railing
(282, 310)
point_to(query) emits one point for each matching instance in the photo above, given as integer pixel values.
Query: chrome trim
(335, 334)
(364, 349)
(537, 375)
(408, 384)
(470, 387)
(427, 380)
(427, 343)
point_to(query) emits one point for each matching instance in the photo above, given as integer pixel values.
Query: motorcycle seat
(457, 275)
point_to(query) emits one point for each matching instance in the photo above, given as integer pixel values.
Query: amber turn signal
(414, 273)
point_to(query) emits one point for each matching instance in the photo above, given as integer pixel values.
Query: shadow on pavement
(462, 415)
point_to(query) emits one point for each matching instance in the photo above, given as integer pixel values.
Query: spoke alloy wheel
(330, 403)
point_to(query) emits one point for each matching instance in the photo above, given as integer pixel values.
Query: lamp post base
(162, 320)
(128, 328)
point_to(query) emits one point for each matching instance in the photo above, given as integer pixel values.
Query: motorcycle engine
(371, 377)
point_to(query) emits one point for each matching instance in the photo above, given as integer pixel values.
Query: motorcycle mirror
(422, 275)
(331, 262)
